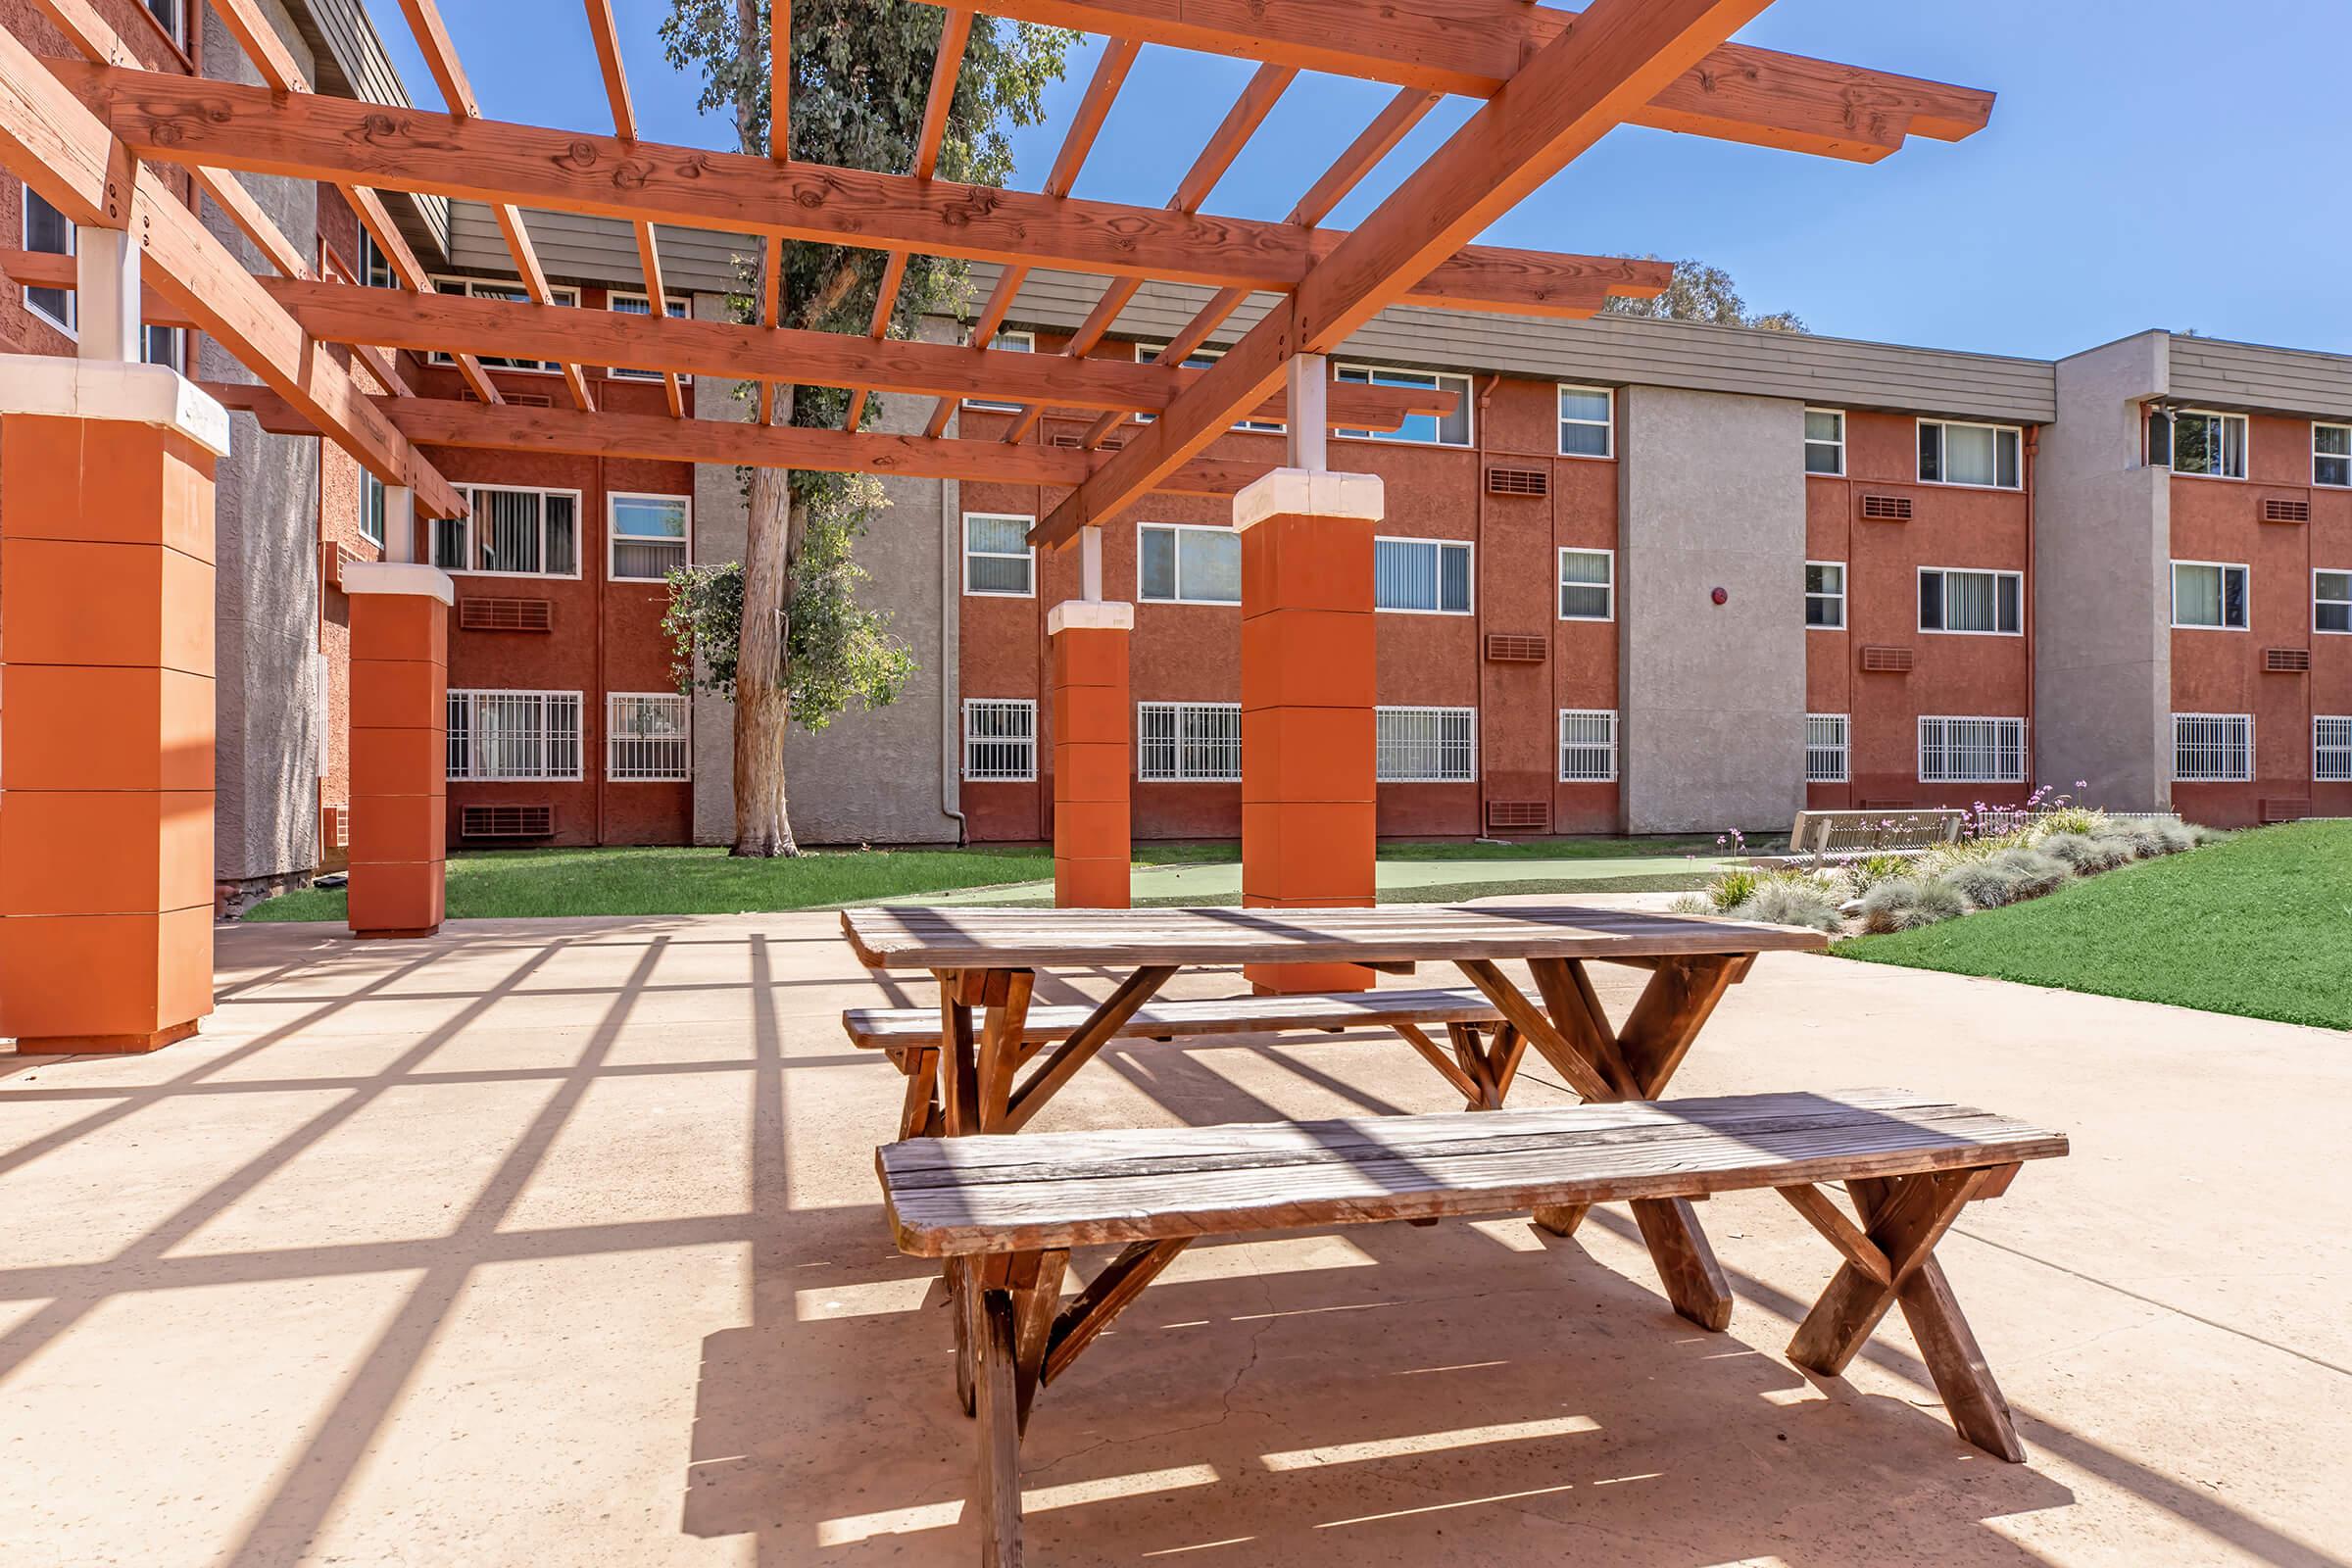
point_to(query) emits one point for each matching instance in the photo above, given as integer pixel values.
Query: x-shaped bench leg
(1903, 1221)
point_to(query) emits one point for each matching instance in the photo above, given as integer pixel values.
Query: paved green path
(1397, 880)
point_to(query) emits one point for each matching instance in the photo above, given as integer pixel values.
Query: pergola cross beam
(607, 38)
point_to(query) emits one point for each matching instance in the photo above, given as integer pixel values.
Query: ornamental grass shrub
(1905, 904)
(1734, 888)
(1867, 871)
(1792, 901)
(2034, 872)
(1986, 884)
(2088, 855)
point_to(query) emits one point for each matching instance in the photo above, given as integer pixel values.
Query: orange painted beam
(1472, 47)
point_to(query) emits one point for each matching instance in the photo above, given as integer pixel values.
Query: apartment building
(1648, 578)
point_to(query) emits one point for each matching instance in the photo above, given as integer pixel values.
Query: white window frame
(1180, 598)
(627, 756)
(1229, 716)
(2317, 457)
(371, 256)
(1946, 599)
(1444, 746)
(561, 294)
(377, 496)
(1830, 735)
(1560, 584)
(1438, 379)
(2245, 441)
(999, 345)
(2246, 721)
(972, 706)
(1560, 748)
(614, 537)
(1840, 597)
(72, 324)
(546, 737)
(1997, 776)
(2224, 567)
(1028, 553)
(1200, 359)
(176, 358)
(1811, 442)
(676, 308)
(1439, 547)
(2317, 573)
(2332, 734)
(579, 525)
(1606, 426)
(1941, 454)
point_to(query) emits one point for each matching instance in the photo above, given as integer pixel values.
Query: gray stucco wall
(867, 777)
(269, 740)
(2102, 639)
(1712, 698)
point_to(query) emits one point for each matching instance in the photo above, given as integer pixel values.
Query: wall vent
(2279, 509)
(1513, 648)
(1884, 803)
(1886, 509)
(2286, 661)
(2286, 808)
(507, 614)
(1517, 814)
(1883, 661)
(529, 399)
(1518, 482)
(506, 821)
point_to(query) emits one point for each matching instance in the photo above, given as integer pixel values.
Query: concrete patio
(557, 1243)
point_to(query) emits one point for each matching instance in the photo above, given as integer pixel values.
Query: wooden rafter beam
(61, 151)
(606, 35)
(1583, 84)
(1472, 47)
(180, 120)
(447, 423)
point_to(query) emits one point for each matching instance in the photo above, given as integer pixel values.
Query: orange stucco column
(1307, 688)
(1092, 759)
(399, 747)
(106, 703)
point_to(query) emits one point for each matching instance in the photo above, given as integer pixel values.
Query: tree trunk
(762, 679)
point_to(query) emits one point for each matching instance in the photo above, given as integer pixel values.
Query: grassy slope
(2260, 926)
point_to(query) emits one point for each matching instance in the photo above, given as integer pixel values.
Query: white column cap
(110, 389)
(1313, 493)
(399, 578)
(1091, 615)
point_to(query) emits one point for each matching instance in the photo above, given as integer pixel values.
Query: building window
(1986, 604)
(677, 310)
(1424, 429)
(50, 232)
(2332, 601)
(2332, 453)
(171, 16)
(1824, 442)
(1588, 585)
(165, 346)
(1586, 420)
(2208, 594)
(1426, 745)
(1012, 342)
(513, 736)
(1199, 360)
(649, 535)
(1177, 564)
(1421, 576)
(2211, 446)
(1828, 747)
(1587, 745)
(2213, 748)
(1982, 455)
(1000, 740)
(2331, 749)
(375, 500)
(376, 268)
(1192, 743)
(513, 533)
(997, 558)
(1824, 594)
(512, 294)
(648, 738)
(1972, 751)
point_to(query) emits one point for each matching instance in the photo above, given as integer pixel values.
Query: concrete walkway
(557, 1243)
(1222, 883)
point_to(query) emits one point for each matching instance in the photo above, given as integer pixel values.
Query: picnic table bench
(1006, 1212)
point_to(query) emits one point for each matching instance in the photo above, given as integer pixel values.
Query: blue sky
(2170, 170)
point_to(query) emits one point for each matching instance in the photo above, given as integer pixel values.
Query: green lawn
(2260, 925)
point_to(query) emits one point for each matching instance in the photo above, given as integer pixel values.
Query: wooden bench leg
(1686, 1266)
(923, 1092)
(1000, 1479)
(1904, 1218)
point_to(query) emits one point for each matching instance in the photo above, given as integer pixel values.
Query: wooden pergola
(1551, 81)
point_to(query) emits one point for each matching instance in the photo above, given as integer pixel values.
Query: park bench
(1006, 1212)
(1821, 834)
(911, 1035)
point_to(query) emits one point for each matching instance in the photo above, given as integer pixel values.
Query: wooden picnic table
(988, 958)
